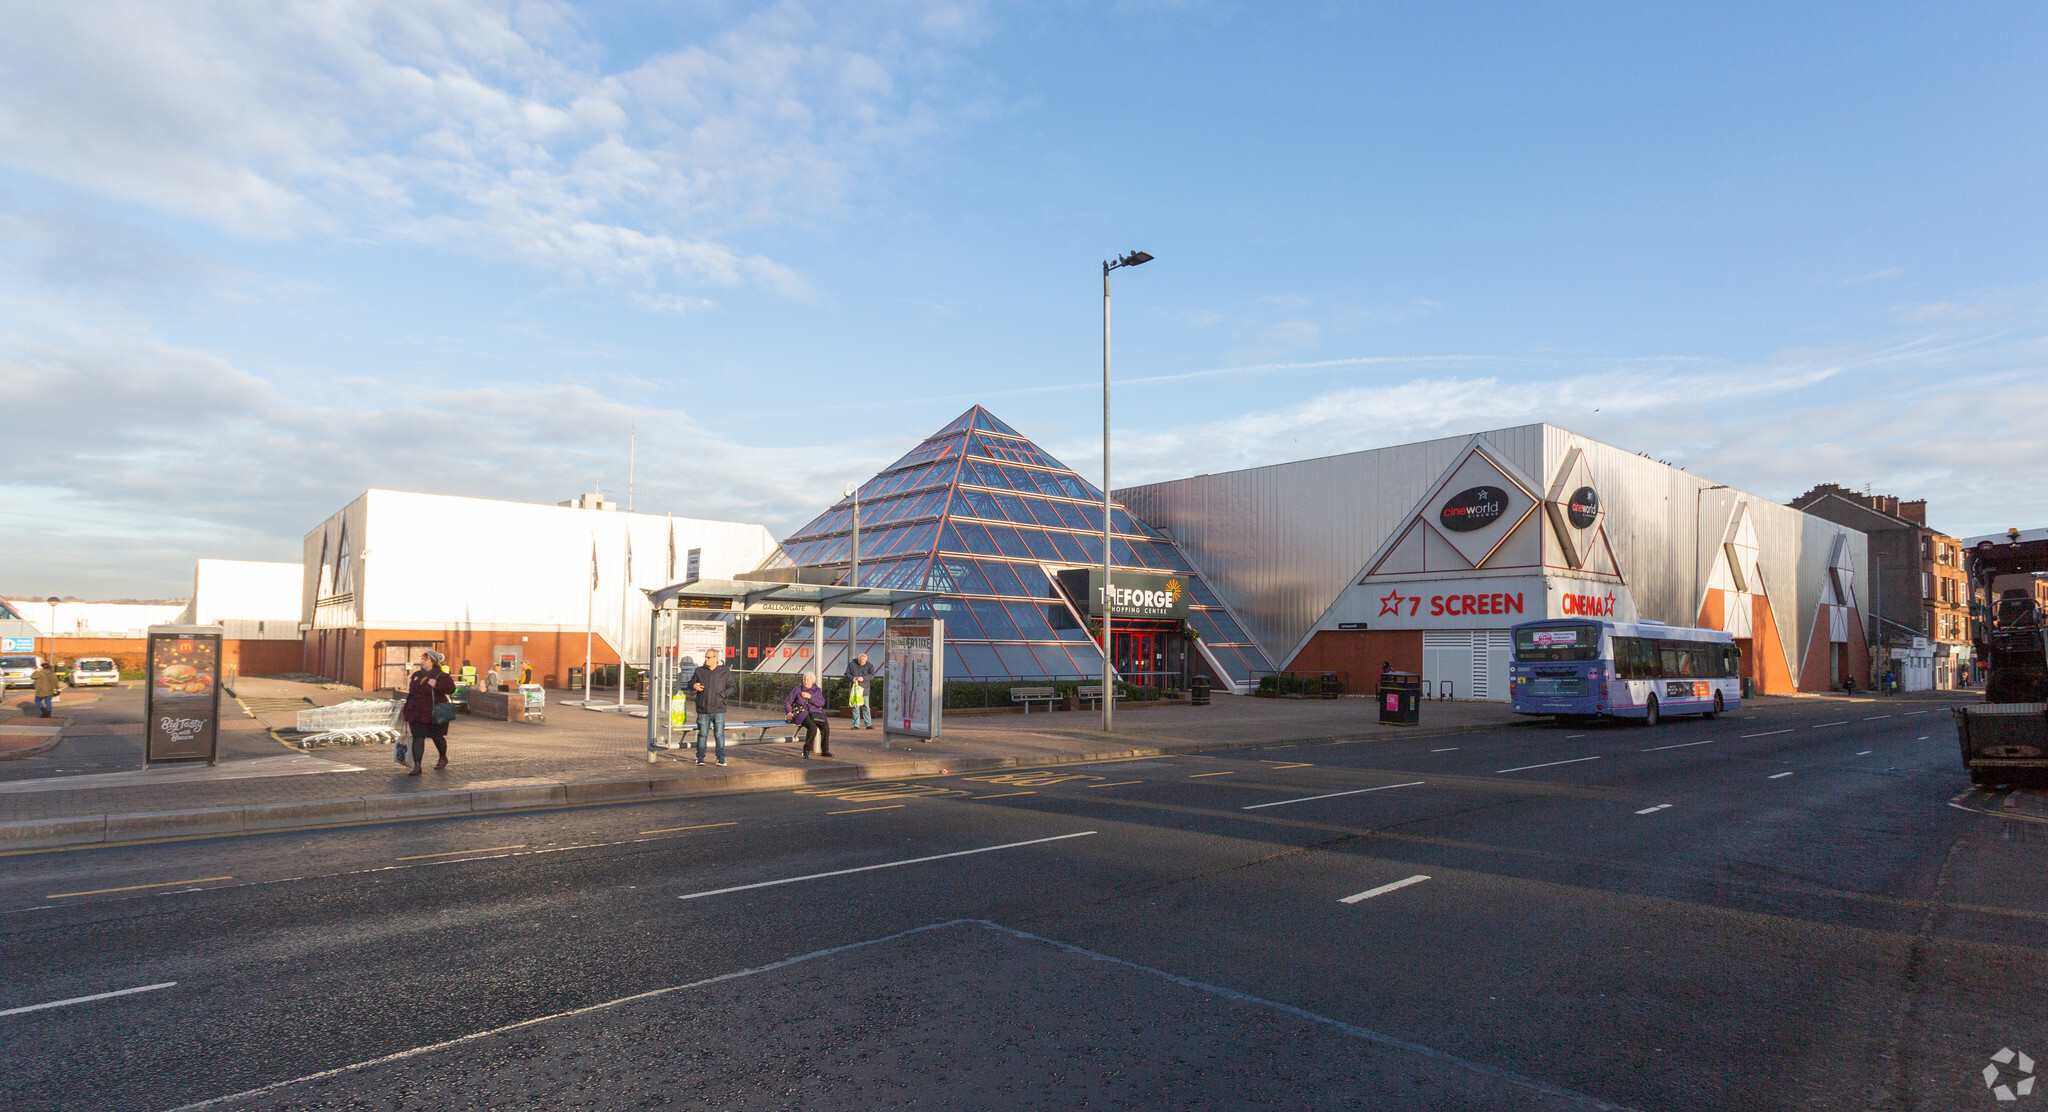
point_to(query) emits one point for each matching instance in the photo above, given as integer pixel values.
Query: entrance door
(1150, 655)
(395, 659)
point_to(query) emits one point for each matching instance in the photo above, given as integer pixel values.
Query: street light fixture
(852, 580)
(1134, 258)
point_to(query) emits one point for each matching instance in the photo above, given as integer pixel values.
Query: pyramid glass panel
(987, 520)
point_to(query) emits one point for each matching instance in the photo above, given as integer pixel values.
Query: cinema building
(1425, 555)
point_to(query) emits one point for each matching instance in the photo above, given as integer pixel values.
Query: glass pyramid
(980, 513)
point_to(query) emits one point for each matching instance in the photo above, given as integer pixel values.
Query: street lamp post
(1135, 258)
(1694, 617)
(53, 600)
(852, 580)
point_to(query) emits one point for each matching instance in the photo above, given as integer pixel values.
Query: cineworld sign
(1472, 509)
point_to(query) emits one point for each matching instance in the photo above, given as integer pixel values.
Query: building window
(694, 561)
(1926, 585)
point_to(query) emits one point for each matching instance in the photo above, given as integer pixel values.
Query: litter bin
(1748, 687)
(1400, 699)
(576, 678)
(1198, 691)
(1332, 686)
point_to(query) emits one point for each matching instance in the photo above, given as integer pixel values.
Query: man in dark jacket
(47, 686)
(860, 672)
(713, 683)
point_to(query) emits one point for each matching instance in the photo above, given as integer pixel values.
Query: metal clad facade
(1282, 544)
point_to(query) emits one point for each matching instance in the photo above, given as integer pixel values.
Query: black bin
(1332, 686)
(1400, 699)
(1198, 691)
(576, 678)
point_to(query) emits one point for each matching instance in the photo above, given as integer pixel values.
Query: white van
(92, 671)
(19, 670)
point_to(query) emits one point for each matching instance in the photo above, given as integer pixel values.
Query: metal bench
(1030, 695)
(766, 729)
(1092, 694)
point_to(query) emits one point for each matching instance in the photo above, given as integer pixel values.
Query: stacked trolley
(356, 722)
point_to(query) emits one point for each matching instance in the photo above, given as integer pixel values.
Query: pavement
(1802, 905)
(94, 789)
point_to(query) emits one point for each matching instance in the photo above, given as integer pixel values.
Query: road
(1799, 908)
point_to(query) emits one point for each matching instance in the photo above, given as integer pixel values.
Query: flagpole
(589, 617)
(625, 596)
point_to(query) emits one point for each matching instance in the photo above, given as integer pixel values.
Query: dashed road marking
(862, 810)
(883, 865)
(1278, 765)
(1653, 810)
(136, 887)
(1332, 795)
(460, 852)
(1568, 737)
(1199, 775)
(1001, 795)
(1778, 775)
(1452, 749)
(673, 829)
(1680, 745)
(1767, 733)
(88, 999)
(1118, 784)
(1546, 764)
(1864, 753)
(1875, 717)
(1922, 737)
(1383, 889)
(1824, 725)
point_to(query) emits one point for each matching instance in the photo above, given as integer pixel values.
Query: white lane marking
(1332, 795)
(1568, 737)
(1875, 717)
(1680, 745)
(1382, 890)
(1824, 725)
(1768, 733)
(1363, 1033)
(1864, 753)
(1778, 775)
(1913, 714)
(88, 999)
(883, 865)
(1922, 737)
(1653, 810)
(1452, 749)
(1547, 764)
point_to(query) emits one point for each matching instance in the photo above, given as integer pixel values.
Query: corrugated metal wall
(1280, 543)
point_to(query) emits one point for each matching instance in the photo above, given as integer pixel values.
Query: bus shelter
(696, 615)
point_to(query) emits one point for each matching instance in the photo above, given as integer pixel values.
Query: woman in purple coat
(431, 684)
(806, 708)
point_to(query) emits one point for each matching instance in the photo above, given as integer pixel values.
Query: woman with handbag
(806, 707)
(427, 709)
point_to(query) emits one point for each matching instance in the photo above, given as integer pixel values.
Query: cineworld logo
(1473, 509)
(1584, 507)
(1592, 606)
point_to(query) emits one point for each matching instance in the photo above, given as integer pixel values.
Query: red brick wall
(240, 657)
(1360, 652)
(549, 654)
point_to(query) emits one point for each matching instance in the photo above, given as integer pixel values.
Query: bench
(1094, 694)
(766, 729)
(1030, 695)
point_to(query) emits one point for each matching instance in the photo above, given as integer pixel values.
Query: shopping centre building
(1425, 555)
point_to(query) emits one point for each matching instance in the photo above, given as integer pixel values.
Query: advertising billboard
(913, 664)
(181, 694)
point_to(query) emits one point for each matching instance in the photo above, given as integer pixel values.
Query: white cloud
(492, 125)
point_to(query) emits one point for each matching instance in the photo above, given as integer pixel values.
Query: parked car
(89, 671)
(19, 670)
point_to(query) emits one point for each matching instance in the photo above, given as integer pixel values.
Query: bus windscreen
(1552, 643)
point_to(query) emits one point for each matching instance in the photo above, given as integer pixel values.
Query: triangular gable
(1493, 498)
(1574, 508)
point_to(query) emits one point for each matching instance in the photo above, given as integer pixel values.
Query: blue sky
(256, 258)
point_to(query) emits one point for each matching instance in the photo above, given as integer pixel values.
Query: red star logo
(1391, 603)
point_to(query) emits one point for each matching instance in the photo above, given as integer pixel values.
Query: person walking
(806, 707)
(859, 695)
(430, 687)
(47, 686)
(714, 684)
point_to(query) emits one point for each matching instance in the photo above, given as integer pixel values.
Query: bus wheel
(1717, 707)
(1650, 712)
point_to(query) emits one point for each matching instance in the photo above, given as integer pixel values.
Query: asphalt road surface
(1803, 908)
